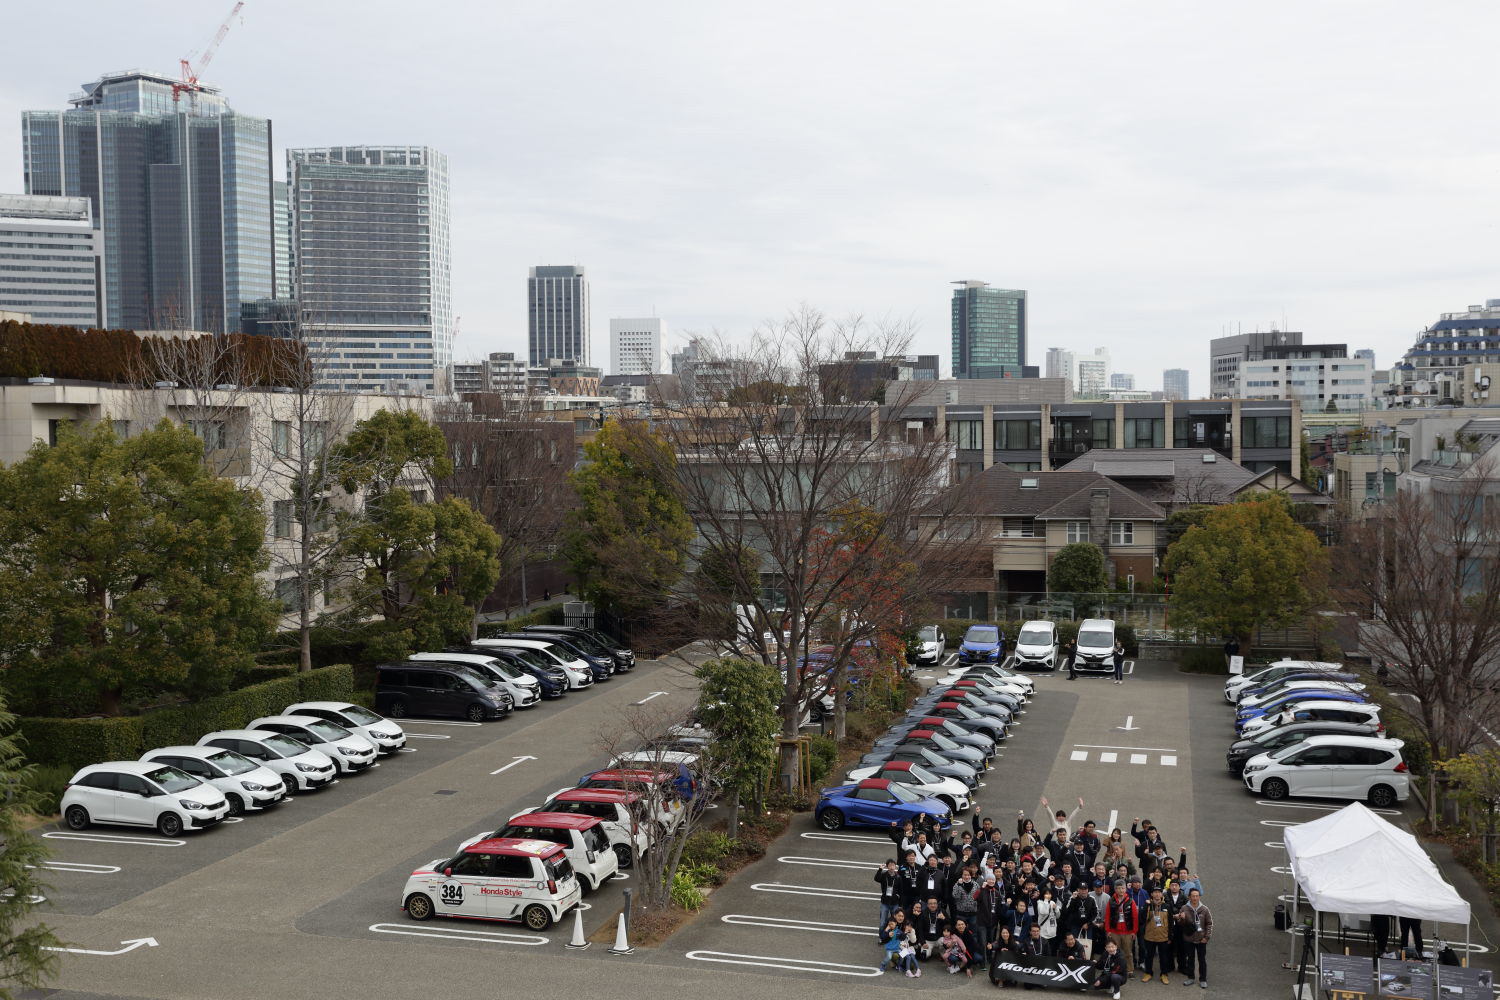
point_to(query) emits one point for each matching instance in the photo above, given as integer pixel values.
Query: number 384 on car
(497, 879)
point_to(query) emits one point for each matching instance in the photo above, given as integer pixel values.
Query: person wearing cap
(1077, 856)
(1122, 921)
(1078, 916)
(1100, 896)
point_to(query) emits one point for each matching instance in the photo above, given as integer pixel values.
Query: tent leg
(1291, 947)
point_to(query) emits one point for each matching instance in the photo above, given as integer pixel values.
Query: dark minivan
(404, 689)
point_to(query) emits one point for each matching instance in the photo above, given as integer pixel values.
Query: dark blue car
(876, 802)
(982, 644)
(1244, 715)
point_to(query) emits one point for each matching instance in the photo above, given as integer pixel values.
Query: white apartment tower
(635, 346)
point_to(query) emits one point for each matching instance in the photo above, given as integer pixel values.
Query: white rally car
(500, 879)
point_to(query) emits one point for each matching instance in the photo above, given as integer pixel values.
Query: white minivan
(1362, 768)
(1036, 646)
(523, 688)
(580, 674)
(1096, 645)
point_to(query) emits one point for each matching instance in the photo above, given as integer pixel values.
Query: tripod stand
(1309, 954)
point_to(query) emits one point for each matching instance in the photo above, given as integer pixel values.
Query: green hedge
(76, 742)
(552, 614)
(954, 629)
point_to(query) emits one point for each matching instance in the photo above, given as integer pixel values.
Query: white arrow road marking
(512, 764)
(461, 934)
(77, 867)
(132, 945)
(790, 964)
(788, 924)
(1129, 719)
(796, 859)
(812, 890)
(1113, 815)
(653, 694)
(115, 838)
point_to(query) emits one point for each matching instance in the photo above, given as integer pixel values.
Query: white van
(1036, 646)
(523, 688)
(580, 674)
(1360, 768)
(1096, 646)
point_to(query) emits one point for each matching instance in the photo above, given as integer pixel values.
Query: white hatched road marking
(1106, 746)
(1110, 757)
(797, 859)
(461, 934)
(812, 890)
(78, 867)
(849, 838)
(790, 964)
(788, 924)
(115, 838)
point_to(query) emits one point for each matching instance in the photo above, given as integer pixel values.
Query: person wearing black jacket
(1004, 949)
(910, 875)
(930, 925)
(1175, 899)
(1070, 654)
(889, 880)
(932, 882)
(1109, 970)
(986, 904)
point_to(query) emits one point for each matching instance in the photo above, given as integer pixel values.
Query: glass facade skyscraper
(989, 331)
(371, 263)
(181, 196)
(557, 319)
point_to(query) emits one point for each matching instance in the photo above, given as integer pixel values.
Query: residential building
(371, 263)
(502, 372)
(1182, 477)
(1226, 353)
(180, 193)
(567, 378)
(863, 377)
(1093, 374)
(1060, 364)
(629, 388)
(1174, 383)
(1319, 376)
(557, 304)
(49, 259)
(1120, 380)
(1430, 373)
(635, 346)
(989, 331)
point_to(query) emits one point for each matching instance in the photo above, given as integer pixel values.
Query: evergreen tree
(26, 956)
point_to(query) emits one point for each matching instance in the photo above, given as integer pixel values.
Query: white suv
(1361, 768)
(141, 793)
(523, 688)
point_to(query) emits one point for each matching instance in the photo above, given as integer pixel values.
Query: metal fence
(1147, 613)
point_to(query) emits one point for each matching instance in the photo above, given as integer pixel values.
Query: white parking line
(812, 890)
(1473, 948)
(951, 659)
(460, 934)
(115, 838)
(1314, 805)
(410, 750)
(797, 859)
(1104, 746)
(852, 838)
(1277, 844)
(78, 867)
(232, 819)
(1278, 822)
(424, 736)
(789, 964)
(436, 722)
(788, 924)
(1169, 760)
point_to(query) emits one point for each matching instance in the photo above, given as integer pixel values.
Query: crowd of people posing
(977, 899)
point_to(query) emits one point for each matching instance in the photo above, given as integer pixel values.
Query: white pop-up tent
(1352, 861)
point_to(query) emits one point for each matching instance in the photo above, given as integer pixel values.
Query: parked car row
(1305, 728)
(231, 772)
(1035, 648)
(930, 761)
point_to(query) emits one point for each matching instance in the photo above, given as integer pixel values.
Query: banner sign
(1038, 970)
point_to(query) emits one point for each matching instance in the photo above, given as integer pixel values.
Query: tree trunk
(840, 681)
(734, 814)
(304, 637)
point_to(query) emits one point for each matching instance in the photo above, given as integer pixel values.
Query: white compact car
(932, 645)
(1356, 712)
(1361, 768)
(1274, 672)
(301, 768)
(526, 880)
(580, 674)
(350, 752)
(141, 793)
(1036, 646)
(385, 734)
(1253, 700)
(582, 838)
(523, 688)
(247, 785)
(950, 791)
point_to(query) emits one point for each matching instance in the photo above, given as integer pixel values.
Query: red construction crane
(189, 81)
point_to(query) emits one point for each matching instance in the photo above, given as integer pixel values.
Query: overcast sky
(1151, 173)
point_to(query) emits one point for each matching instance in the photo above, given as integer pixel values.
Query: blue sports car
(876, 802)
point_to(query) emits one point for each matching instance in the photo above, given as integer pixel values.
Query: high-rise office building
(281, 239)
(1093, 374)
(1059, 363)
(49, 259)
(989, 331)
(180, 192)
(557, 308)
(1174, 383)
(1120, 380)
(635, 346)
(1226, 353)
(371, 263)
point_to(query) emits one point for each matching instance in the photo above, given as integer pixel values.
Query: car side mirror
(892, 800)
(147, 793)
(447, 872)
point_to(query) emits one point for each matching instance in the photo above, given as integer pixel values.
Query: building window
(1018, 435)
(1145, 432)
(1078, 531)
(1018, 527)
(289, 594)
(1122, 532)
(212, 433)
(314, 437)
(1266, 432)
(121, 428)
(53, 426)
(281, 438)
(966, 435)
(281, 519)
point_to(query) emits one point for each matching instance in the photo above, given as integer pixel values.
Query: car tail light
(1401, 767)
(1380, 727)
(552, 886)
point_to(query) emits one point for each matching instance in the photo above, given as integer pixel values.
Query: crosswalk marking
(1169, 760)
(1112, 757)
(1137, 758)
(1080, 755)
(1108, 757)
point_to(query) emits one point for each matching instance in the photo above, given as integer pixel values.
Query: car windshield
(936, 760)
(1287, 750)
(230, 762)
(904, 794)
(283, 745)
(603, 810)
(1096, 638)
(172, 780)
(1034, 635)
(595, 840)
(360, 716)
(927, 633)
(982, 633)
(967, 712)
(503, 668)
(329, 731)
(924, 776)
(940, 740)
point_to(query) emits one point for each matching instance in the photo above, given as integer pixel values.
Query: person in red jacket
(1122, 920)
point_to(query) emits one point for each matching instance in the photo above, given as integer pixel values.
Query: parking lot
(304, 901)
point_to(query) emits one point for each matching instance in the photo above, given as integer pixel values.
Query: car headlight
(309, 768)
(349, 751)
(251, 786)
(1255, 767)
(190, 804)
